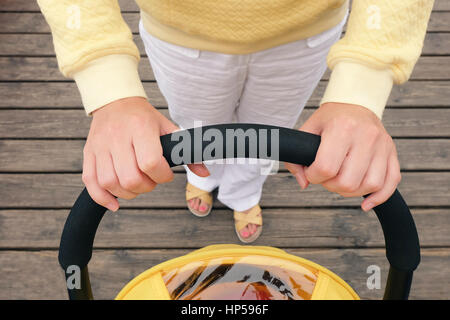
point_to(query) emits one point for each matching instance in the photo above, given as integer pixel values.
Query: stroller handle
(400, 234)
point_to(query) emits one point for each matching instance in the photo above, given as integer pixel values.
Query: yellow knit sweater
(381, 45)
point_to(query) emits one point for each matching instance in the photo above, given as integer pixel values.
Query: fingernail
(113, 207)
(368, 206)
(300, 180)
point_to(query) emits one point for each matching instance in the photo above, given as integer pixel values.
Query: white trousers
(267, 87)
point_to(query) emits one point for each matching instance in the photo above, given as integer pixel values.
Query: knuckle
(374, 185)
(149, 165)
(347, 186)
(87, 178)
(326, 169)
(372, 134)
(373, 130)
(131, 182)
(347, 124)
(107, 182)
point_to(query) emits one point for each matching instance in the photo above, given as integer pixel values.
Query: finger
(150, 160)
(199, 169)
(311, 126)
(97, 193)
(333, 149)
(298, 171)
(107, 177)
(128, 173)
(352, 171)
(393, 178)
(166, 126)
(376, 174)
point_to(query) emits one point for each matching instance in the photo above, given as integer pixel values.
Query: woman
(245, 61)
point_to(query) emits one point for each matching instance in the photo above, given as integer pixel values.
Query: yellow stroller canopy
(231, 272)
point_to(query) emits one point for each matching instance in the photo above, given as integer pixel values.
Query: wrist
(122, 105)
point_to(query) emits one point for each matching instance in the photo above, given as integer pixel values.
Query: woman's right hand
(123, 153)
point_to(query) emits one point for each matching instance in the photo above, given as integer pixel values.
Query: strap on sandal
(243, 219)
(194, 192)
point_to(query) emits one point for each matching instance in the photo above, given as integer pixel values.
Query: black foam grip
(402, 242)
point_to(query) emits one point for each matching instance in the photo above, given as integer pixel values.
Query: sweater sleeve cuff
(355, 83)
(107, 79)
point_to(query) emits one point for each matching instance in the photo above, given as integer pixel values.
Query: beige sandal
(194, 192)
(241, 220)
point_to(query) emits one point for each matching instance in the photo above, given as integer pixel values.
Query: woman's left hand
(356, 155)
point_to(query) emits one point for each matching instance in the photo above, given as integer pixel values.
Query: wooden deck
(43, 129)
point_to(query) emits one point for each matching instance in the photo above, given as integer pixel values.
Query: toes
(196, 203)
(193, 203)
(203, 207)
(251, 228)
(245, 232)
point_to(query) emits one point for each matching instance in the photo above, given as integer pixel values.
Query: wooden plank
(37, 275)
(152, 228)
(46, 69)
(35, 22)
(281, 190)
(66, 155)
(65, 95)
(75, 124)
(42, 44)
(27, 5)
(55, 95)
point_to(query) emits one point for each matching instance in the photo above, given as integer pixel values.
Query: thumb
(312, 125)
(199, 169)
(166, 126)
(298, 171)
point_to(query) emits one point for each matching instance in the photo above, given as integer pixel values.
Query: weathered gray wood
(35, 22)
(46, 69)
(42, 45)
(65, 95)
(170, 228)
(36, 275)
(281, 190)
(75, 124)
(33, 272)
(27, 5)
(66, 155)
(55, 95)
